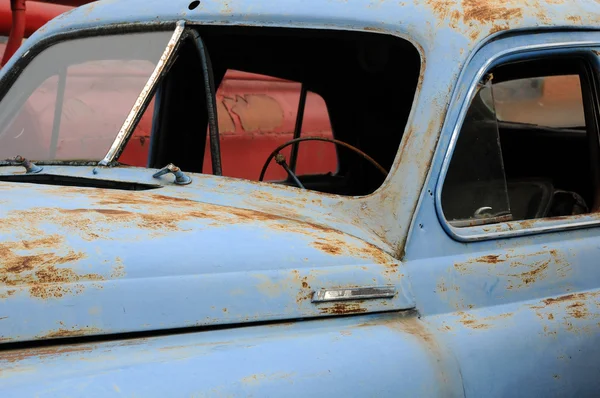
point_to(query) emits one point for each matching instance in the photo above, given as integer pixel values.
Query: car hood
(89, 261)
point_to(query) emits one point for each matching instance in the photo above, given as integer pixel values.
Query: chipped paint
(43, 267)
(44, 353)
(343, 308)
(70, 332)
(108, 243)
(532, 267)
(473, 322)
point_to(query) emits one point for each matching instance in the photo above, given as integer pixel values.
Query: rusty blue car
(452, 252)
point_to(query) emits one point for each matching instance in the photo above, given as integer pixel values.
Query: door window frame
(488, 56)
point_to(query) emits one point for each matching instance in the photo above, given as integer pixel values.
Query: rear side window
(526, 149)
(551, 101)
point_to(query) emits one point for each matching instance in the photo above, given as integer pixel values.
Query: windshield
(71, 100)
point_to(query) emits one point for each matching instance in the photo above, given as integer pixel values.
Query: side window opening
(259, 74)
(527, 146)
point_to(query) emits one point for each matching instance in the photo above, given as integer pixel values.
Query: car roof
(460, 22)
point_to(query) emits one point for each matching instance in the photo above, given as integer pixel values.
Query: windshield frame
(144, 97)
(24, 57)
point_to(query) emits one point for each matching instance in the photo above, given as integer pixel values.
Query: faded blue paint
(359, 356)
(191, 263)
(496, 317)
(510, 307)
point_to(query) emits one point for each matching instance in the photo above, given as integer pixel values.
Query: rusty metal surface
(75, 249)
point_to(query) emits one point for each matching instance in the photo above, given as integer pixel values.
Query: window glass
(256, 114)
(508, 163)
(475, 190)
(552, 101)
(71, 100)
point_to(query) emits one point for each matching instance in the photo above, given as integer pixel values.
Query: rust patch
(490, 259)
(532, 276)
(36, 265)
(7, 293)
(578, 310)
(443, 288)
(468, 16)
(454, 19)
(565, 298)
(18, 355)
(499, 28)
(535, 266)
(336, 246)
(472, 322)
(375, 29)
(329, 248)
(118, 270)
(305, 293)
(489, 11)
(573, 308)
(73, 332)
(441, 8)
(343, 309)
(124, 210)
(108, 212)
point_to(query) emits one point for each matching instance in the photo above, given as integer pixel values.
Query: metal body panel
(359, 356)
(83, 261)
(519, 312)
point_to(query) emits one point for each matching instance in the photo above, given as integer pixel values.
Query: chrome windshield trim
(129, 123)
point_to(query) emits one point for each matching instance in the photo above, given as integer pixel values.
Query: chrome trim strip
(476, 233)
(354, 293)
(128, 125)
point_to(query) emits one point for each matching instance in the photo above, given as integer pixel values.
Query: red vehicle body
(256, 114)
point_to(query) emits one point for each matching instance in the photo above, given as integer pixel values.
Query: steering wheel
(333, 141)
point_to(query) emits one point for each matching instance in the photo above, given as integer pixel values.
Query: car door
(512, 283)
